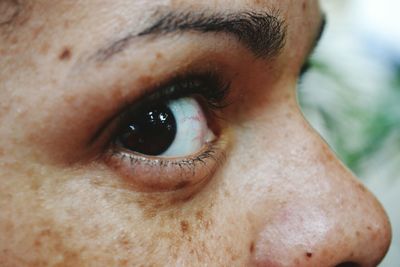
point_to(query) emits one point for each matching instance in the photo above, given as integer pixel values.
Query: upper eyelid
(123, 89)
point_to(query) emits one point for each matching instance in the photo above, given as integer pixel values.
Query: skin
(280, 197)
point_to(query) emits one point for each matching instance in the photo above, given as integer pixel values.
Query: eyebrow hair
(261, 32)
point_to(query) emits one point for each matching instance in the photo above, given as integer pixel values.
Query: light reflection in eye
(176, 129)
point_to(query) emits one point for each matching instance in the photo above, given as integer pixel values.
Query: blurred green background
(351, 96)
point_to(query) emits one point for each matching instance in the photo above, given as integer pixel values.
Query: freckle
(9, 227)
(199, 215)
(124, 65)
(229, 251)
(149, 213)
(37, 243)
(226, 193)
(330, 157)
(46, 232)
(44, 48)
(309, 255)
(35, 185)
(36, 31)
(70, 99)
(252, 247)
(159, 56)
(166, 235)
(124, 242)
(69, 231)
(184, 226)
(65, 54)
(123, 262)
(14, 40)
(66, 24)
(304, 5)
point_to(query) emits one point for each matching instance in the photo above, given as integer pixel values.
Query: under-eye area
(172, 137)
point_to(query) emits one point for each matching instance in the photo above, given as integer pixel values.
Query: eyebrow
(262, 33)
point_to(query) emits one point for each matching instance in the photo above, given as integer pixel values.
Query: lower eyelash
(189, 163)
(146, 173)
(163, 174)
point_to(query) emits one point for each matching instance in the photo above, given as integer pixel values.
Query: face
(167, 133)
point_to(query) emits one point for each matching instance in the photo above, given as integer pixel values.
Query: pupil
(151, 132)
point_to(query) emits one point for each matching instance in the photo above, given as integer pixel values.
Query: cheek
(73, 217)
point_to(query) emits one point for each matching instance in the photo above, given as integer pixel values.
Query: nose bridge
(343, 224)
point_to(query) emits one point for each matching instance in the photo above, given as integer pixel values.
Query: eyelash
(211, 90)
(189, 164)
(211, 87)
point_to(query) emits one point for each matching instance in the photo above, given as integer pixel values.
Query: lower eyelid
(146, 174)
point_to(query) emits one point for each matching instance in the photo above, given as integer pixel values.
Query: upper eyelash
(212, 92)
(210, 86)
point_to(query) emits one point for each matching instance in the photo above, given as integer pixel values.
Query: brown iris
(150, 131)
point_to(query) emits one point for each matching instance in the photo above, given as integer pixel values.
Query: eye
(171, 138)
(176, 128)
